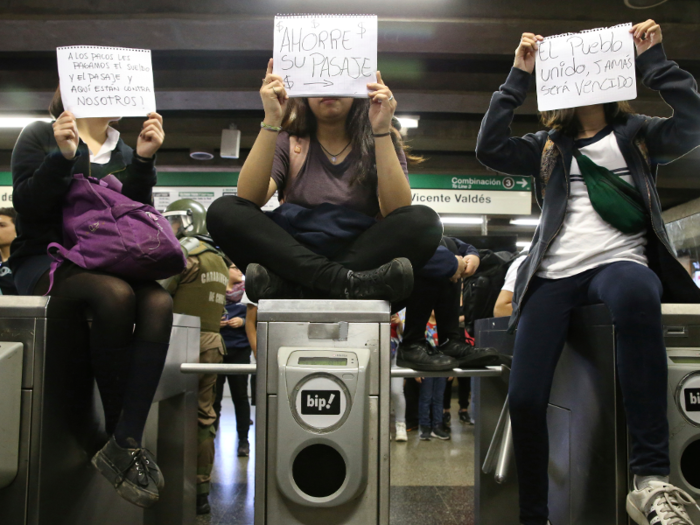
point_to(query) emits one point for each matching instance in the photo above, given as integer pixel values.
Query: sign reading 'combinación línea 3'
(473, 194)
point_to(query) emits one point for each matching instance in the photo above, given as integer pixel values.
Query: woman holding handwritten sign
(131, 321)
(601, 239)
(339, 166)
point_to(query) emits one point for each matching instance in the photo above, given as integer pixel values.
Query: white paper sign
(106, 81)
(582, 69)
(326, 55)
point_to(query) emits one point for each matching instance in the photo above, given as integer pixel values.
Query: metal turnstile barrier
(45, 448)
(588, 468)
(322, 411)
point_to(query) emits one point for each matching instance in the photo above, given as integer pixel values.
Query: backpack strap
(298, 151)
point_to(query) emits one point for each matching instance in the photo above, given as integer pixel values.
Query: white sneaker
(401, 432)
(659, 504)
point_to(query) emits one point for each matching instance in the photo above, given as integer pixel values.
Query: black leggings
(127, 360)
(247, 235)
(116, 305)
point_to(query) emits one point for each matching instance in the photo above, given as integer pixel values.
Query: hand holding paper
(65, 131)
(527, 51)
(381, 111)
(646, 34)
(151, 137)
(274, 97)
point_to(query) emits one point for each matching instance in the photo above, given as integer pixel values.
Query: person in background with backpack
(200, 290)
(586, 250)
(131, 320)
(339, 167)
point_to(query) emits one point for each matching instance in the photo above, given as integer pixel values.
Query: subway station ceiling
(442, 58)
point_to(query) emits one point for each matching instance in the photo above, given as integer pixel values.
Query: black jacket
(41, 176)
(665, 139)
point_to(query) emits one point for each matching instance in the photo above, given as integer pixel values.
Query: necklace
(334, 156)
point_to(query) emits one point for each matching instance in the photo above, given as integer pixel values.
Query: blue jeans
(632, 293)
(432, 391)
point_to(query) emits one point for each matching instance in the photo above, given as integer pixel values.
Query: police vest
(205, 296)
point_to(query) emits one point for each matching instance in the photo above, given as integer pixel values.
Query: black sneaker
(446, 419)
(203, 504)
(127, 469)
(261, 283)
(421, 356)
(469, 356)
(439, 433)
(153, 469)
(424, 433)
(243, 449)
(464, 417)
(391, 282)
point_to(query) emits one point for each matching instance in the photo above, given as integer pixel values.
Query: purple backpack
(104, 230)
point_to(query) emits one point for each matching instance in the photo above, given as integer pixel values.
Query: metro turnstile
(61, 424)
(589, 477)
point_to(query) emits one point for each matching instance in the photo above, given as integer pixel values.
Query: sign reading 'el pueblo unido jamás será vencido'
(326, 55)
(582, 69)
(101, 81)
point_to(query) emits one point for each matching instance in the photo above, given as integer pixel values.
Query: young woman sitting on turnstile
(347, 228)
(593, 247)
(127, 361)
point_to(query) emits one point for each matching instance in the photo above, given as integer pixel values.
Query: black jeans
(632, 293)
(464, 390)
(247, 236)
(238, 384)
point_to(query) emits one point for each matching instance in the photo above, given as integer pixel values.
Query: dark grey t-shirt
(319, 180)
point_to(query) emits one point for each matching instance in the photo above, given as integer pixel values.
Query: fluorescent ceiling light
(20, 122)
(523, 244)
(461, 220)
(408, 122)
(525, 222)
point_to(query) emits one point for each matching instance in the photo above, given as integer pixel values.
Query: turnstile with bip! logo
(321, 406)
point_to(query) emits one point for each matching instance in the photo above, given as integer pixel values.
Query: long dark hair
(565, 120)
(299, 120)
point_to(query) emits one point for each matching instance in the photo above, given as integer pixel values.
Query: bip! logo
(320, 402)
(692, 399)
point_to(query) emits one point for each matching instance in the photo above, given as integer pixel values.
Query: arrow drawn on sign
(279, 27)
(325, 83)
(523, 183)
(288, 82)
(362, 30)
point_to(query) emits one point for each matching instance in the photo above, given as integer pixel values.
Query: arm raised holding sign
(339, 166)
(601, 239)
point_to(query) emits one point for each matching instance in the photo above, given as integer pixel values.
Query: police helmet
(187, 217)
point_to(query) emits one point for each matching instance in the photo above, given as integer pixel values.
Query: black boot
(243, 449)
(421, 356)
(469, 356)
(261, 283)
(391, 282)
(203, 504)
(127, 469)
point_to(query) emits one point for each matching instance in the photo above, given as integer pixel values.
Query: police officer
(200, 290)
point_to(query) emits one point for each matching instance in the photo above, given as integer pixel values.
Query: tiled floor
(432, 481)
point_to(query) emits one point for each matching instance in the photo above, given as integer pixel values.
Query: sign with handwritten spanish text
(101, 81)
(581, 69)
(326, 55)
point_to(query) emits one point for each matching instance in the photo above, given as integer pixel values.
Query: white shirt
(246, 301)
(107, 148)
(586, 241)
(512, 274)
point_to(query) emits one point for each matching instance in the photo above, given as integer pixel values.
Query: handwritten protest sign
(326, 55)
(106, 81)
(582, 69)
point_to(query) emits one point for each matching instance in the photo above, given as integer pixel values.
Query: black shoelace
(138, 460)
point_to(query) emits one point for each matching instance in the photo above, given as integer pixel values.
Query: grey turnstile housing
(589, 478)
(336, 329)
(61, 423)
